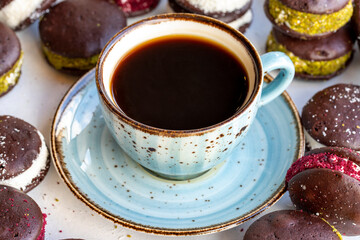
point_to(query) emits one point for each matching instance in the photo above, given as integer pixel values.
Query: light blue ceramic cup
(186, 154)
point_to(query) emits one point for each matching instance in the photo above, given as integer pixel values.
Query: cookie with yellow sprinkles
(307, 18)
(315, 59)
(73, 33)
(11, 58)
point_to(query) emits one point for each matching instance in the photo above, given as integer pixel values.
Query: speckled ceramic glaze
(103, 176)
(189, 153)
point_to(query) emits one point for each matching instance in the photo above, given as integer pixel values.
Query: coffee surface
(179, 83)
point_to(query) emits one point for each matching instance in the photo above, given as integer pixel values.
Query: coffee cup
(187, 153)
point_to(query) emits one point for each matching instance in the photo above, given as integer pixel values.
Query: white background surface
(36, 97)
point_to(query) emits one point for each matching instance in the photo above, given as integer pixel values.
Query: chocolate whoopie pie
(291, 224)
(18, 14)
(74, 32)
(133, 8)
(11, 58)
(235, 13)
(20, 216)
(326, 182)
(24, 157)
(332, 117)
(308, 18)
(315, 59)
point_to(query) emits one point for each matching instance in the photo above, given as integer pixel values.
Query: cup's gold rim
(172, 17)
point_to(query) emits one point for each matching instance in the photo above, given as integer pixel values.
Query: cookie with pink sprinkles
(133, 8)
(20, 216)
(236, 13)
(326, 182)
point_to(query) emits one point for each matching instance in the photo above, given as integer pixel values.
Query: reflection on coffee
(179, 83)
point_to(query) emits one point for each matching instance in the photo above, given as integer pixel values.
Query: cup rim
(170, 17)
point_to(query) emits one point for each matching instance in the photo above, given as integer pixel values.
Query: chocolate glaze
(19, 146)
(80, 28)
(10, 49)
(289, 224)
(330, 194)
(324, 49)
(35, 15)
(332, 117)
(316, 6)
(21, 217)
(227, 17)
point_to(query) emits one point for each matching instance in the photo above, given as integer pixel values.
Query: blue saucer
(100, 174)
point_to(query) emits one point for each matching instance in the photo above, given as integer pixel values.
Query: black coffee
(179, 83)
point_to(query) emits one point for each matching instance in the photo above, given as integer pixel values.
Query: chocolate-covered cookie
(20, 216)
(11, 58)
(24, 157)
(315, 59)
(133, 8)
(326, 182)
(332, 117)
(18, 14)
(235, 13)
(307, 18)
(74, 32)
(290, 224)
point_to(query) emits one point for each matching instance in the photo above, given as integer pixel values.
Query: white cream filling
(246, 18)
(312, 143)
(209, 6)
(17, 11)
(25, 178)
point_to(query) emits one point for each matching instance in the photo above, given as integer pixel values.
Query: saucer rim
(60, 166)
